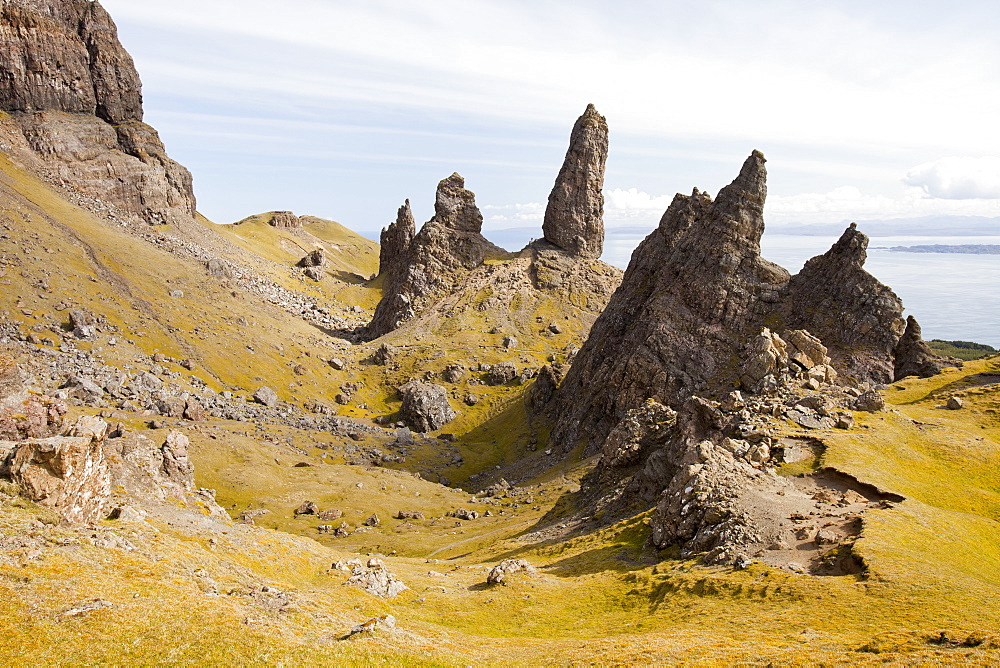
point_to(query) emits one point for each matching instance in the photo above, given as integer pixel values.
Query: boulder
(68, 474)
(500, 573)
(501, 373)
(266, 396)
(425, 406)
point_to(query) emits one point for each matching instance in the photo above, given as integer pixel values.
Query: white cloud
(958, 178)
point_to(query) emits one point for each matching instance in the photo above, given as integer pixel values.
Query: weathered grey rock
(285, 219)
(694, 314)
(574, 216)
(315, 258)
(500, 573)
(384, 354)
(446, 247)
(955, 403)
(394, 248)
(376, 580)
(409, 515)
(82, 324)
(425, 406)
(501, 373)
(266, 396)
(870, 401)
(859, 319)
(68, 474)
(913, 357)
(75, 106)
(307, 508)
(453, 373)
(177, 465)
(219, 268)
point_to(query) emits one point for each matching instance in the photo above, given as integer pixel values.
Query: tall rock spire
(394, 246)
(574, 217)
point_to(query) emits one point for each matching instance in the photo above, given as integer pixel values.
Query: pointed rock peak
(394, 244)
(574, 217)
(404, 218)
(455, 207)
(852, 246)
(743, 199)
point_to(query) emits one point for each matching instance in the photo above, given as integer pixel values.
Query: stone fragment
(409, 515)
(372, 521)
(307, 508)
(314, 258)
(501, 373)
(955, 403)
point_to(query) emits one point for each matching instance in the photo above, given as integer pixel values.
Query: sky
(865, 110)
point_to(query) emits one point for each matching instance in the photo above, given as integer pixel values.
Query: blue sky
(343, 109)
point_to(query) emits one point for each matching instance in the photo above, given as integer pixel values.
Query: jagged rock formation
(857, 317)
(394, 247)
(285, 219)
(574, 216)
(75, 111)
(913, 357)
(697, 291)
(449, 242)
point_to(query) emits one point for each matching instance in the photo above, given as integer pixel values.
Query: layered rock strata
(74, 111)
(695, 294)
(574, 217)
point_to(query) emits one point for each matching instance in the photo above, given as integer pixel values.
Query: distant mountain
(958, 226)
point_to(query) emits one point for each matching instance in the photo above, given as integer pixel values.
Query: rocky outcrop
(913, 357)
(75, 111)
(574, 217)
(68, 474)
(394, 247)
(858, 318)
(447, 246)
(699, 311)
(694, 289)
(285, 220)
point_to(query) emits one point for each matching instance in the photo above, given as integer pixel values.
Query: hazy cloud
(958, 178)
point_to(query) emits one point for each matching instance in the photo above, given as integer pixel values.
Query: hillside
(277, 442)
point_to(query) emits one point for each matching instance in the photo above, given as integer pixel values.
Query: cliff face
(697, 291)
(74, 111)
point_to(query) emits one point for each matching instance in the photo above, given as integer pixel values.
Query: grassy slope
(934, 559)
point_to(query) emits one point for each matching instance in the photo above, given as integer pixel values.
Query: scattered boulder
(384, 354)
(500, 573)
(315, 258)
(501, 373)
(82, 324)
(373, 624)
(955, 403)
(375, 579)
(68, 474)
(870, 401)
(307, 508)
(453, 373)
(219, 268)
(328, 515)
(266, 396)
(409, 515)
(372, 521)
(425, 406)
